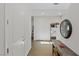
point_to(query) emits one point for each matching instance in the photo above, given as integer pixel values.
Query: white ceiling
(49, 9)
(50, 6)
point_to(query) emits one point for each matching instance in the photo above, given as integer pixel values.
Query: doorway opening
(32, 31)
(53, 31)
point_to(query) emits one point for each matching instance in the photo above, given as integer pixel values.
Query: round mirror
(66, 28)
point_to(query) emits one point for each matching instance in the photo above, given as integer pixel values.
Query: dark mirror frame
(67, 32)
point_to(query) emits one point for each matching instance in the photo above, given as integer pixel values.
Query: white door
(2, 46)
(15, 31)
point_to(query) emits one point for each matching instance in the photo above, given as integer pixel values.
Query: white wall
(2, 46)
(73, 15)
(42, 26)
(28, 31)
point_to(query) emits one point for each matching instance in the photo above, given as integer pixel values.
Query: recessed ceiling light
(42, 13)
(55, 3)
(59, 14)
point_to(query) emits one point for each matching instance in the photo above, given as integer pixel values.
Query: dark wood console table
(60, 49)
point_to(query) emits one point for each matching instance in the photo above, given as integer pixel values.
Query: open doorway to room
(40, 35)
(32, 30)
(53, 31)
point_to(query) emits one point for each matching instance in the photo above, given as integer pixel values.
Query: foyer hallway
(50, 48)
(41, 48)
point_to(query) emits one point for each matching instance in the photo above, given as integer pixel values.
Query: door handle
(7, 50)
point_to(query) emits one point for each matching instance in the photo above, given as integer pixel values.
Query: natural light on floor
(46, 42)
